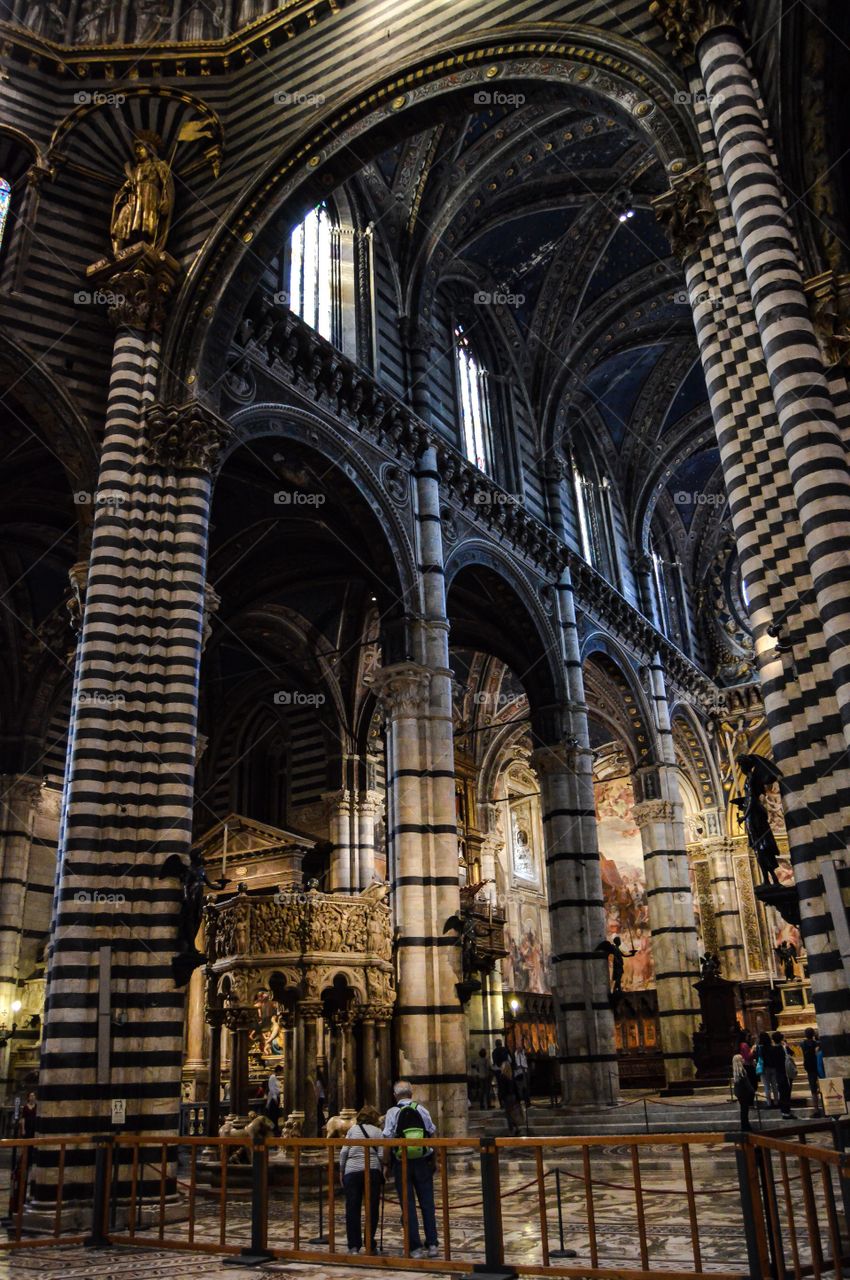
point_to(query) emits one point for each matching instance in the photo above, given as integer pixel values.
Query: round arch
(615, 667)
(336, 142)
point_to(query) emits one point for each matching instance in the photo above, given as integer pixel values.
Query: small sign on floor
(832, 1096)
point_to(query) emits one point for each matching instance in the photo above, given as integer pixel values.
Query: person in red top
(746, 1052)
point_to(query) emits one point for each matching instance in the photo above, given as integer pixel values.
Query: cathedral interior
(424, 551)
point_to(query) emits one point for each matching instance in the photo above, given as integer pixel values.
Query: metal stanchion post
(493, 1268)
(560, 1252)
(321, 1238)
(258, 1254)
(98, 1239)
(748, 1211)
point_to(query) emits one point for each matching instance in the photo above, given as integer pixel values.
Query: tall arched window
(5, 200)
(312, 270)
(474, 404)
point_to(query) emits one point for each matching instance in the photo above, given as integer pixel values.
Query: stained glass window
(5, 197)
(311, 269)
(474, 404)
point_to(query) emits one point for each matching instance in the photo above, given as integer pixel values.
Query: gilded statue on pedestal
(143, 205)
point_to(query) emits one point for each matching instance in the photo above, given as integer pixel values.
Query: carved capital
(687, 212)
(649, 811)
(212, 601)
(78, 577)
(240, 1017)
(185, 436)
(686, 22)
(135, 286)
(563, 757)
(829, 303)
(402, 690)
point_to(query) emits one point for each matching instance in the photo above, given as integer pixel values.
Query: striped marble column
(804, 713)
(727, 908)
(129, 784)
(659, 815)
(577, 923)
(417, 699)
(339, 810)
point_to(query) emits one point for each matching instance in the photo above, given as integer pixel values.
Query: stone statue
(759, 773)
(618, 962)
(143, 205)
(787, 953)
(465, 927)
(194, 882)
(44, 18)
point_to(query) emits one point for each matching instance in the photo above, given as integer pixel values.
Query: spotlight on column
(16, 1005)
(515, 1007)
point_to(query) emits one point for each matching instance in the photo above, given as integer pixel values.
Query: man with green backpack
(410, 1120)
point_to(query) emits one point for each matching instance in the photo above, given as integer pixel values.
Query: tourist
(409, 1119)
(273, 1100)
(352, 1178)
(746, 1052)
(509, 1097)
(481, 1080)
(321, 1097)
(29, 1112)
(521, 1074)
(784, 1076)
(767, 1060)
(743, 1089)
(811, 1044)
(500, 1055)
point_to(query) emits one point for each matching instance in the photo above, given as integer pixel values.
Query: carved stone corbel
(829, 303)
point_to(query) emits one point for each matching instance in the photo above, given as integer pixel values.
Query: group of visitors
(507, 1072)
(770, 1060)
(409, 1120)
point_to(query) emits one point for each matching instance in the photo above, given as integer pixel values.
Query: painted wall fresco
(525, 968)
(624, 880)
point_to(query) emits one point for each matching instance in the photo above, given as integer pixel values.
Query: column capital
(403, 690)
(26, 789)
(829, 303)
(78, 576)
(135, 285)
(310, 1008)
(649, 811)
(212, 602)
(686, 22)
(186, 436)
(687, 211)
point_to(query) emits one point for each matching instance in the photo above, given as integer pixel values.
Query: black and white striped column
(422, 830)
(659, 815)
(585, 1022)
(130, 777)
(816, 454)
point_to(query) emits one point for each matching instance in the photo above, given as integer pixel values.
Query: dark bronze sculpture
(194, 883)
(710, 967)
(618, 962)
(759, 774)
(787, 953)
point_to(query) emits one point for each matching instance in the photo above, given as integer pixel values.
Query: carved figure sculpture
(759, 774)
(143, 205)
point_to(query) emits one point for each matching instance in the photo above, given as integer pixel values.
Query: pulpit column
(215, 1021)
(240, 1022)
(348, 1091)
(310, 1012)
(290, 1066)
(369, 1086)
(383, 1073)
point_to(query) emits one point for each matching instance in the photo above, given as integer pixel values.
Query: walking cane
(383, 1191)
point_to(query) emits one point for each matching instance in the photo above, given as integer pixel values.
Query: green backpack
(409, 1125)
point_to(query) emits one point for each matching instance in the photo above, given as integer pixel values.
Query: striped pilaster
(129, 784)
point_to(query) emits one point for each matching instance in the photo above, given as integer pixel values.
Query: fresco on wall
(624, 880)
(524, 967)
